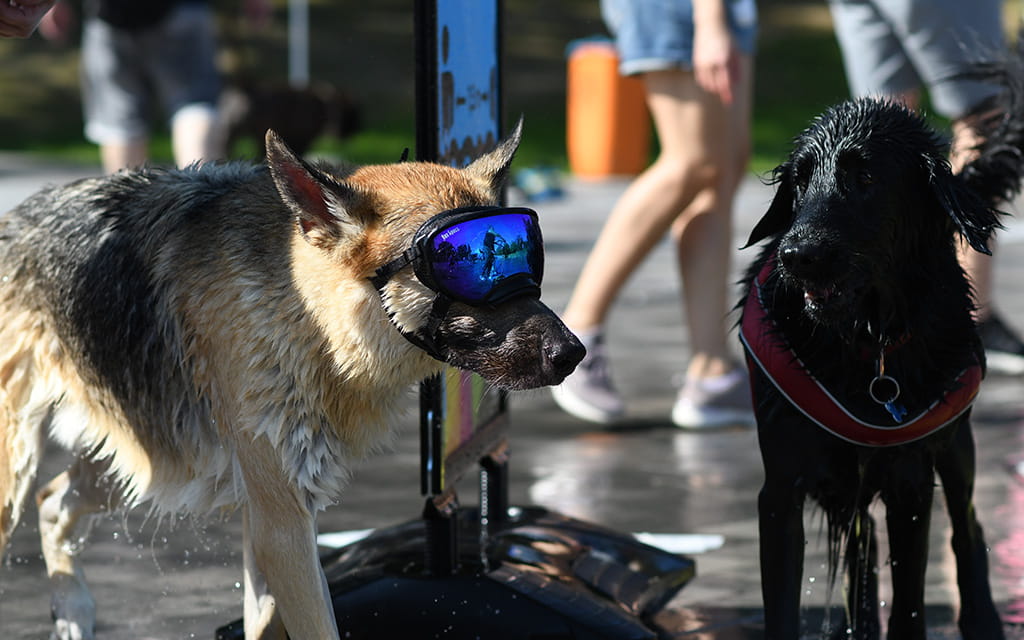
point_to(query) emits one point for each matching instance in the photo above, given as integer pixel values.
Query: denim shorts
(655, 35)
(896, 46)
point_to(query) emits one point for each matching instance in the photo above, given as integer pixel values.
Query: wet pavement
(181, 579)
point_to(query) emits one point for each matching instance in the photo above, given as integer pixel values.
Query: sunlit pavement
(181, 579)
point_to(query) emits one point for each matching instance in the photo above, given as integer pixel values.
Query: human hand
(716, 63)
(57, 25)
(19, 18)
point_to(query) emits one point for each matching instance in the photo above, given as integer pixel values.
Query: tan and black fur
(208, 338)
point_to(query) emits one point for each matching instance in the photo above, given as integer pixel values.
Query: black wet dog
(864, 357)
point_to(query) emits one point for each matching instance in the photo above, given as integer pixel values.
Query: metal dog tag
(885, 391)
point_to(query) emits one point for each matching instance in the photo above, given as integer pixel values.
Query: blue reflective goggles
(477, 255)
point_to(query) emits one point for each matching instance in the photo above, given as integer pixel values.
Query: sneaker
(1004, 350)
(718, 402)
(588, 393)
(1017, 470)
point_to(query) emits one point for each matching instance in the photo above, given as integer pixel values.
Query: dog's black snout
(564, 354)
(803, 259)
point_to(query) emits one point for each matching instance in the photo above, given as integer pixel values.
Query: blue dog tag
(885, 391)
(897, 411)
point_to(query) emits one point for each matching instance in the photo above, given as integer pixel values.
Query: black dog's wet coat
(862, 235)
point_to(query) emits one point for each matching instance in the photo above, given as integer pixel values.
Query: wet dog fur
(209, 338)
(862, 236)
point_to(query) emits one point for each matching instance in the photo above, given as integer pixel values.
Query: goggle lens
(486, 259)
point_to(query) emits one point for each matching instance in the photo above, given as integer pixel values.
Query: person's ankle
(709, 367)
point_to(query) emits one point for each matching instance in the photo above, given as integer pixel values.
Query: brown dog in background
(210, 337)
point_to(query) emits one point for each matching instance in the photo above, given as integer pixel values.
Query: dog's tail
(998, 169)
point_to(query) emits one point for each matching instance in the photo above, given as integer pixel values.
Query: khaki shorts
(127, 74)
(891, 47)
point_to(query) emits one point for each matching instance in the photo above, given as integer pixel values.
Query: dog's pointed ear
(493, 167)
(974, 218)
(780, 212)
(323, 207)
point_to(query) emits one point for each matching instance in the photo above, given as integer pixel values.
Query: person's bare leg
(703, 233)
(979, 267)
(123, 155)
(646, 210)
(194, 135)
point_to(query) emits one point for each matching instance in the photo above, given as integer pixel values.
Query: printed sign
(458, 119)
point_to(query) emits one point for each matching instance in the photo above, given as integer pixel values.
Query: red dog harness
(803, 391)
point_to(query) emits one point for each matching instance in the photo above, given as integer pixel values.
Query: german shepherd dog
(211, 337)
(864, 358)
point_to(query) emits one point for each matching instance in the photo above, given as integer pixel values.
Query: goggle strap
(438, 311)
(384, 273)
(430, 342)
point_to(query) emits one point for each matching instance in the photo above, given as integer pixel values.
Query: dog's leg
(908, 514)
(63, 502)
(21, 447)
(979, 619)
(862, 579)
(282, 534)
(780, 511)
(260, 609)
(780, 519)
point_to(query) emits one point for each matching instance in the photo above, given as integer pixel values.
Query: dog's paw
(74, 617)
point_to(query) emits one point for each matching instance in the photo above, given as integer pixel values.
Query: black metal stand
(543, 575)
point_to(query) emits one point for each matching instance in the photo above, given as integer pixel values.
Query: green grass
(797, 78)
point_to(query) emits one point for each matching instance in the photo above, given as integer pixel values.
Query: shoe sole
(690, 418)
(582, 410)
(1007, 364)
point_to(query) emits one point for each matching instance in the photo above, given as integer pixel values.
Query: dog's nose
(803, 259)
(564, 354)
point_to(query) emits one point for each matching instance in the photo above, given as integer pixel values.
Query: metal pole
(298, 43)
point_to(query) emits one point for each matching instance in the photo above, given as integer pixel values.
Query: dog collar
(765, 347)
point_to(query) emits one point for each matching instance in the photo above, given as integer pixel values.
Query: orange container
(608, 129)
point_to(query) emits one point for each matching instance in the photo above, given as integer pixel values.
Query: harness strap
(766, 349)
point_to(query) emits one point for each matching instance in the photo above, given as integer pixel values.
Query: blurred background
(363, 52)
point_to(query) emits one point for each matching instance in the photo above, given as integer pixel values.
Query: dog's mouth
(818, 297)
(519, 345)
